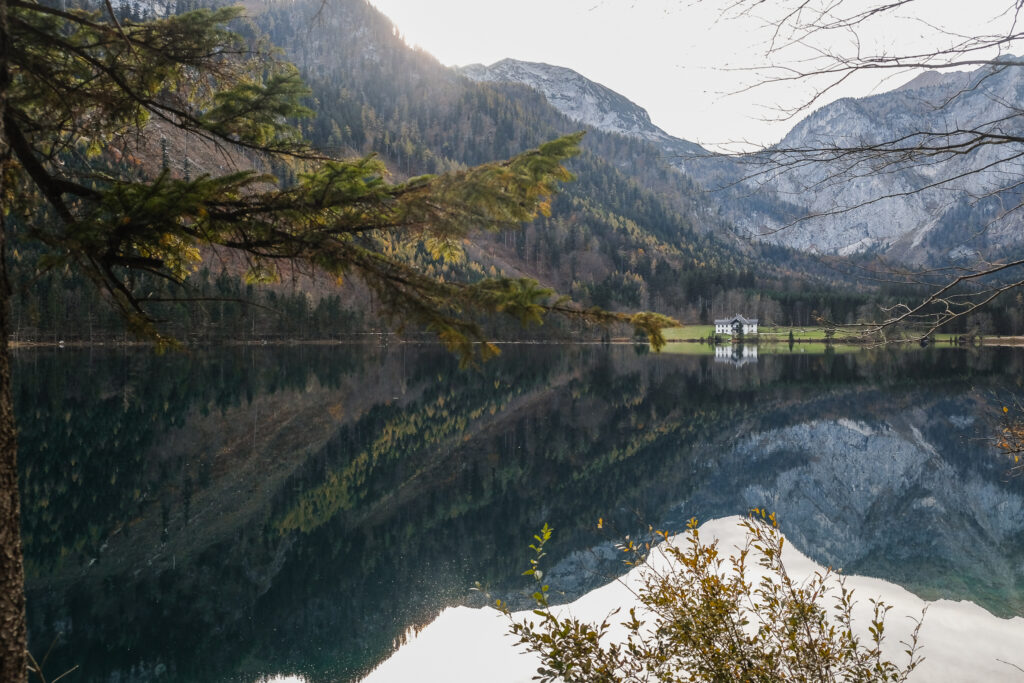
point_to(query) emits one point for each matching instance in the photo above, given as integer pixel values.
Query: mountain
(925, 211)
(631, 231)
(953, 203)
(583, 100)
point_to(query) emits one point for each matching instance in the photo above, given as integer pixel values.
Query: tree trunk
(12, 573)
(13, 665)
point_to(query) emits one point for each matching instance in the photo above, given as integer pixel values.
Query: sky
(682, 60)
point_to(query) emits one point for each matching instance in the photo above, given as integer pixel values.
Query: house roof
(736, 318)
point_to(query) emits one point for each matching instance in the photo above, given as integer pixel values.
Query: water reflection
(239, 513)
(736, 354)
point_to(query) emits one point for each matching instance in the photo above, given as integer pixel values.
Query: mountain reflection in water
(237, 513)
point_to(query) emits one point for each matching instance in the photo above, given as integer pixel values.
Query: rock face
(953, 202)
(953, 206)
(583, 100)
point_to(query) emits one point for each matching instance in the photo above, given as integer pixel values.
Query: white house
(736, 325)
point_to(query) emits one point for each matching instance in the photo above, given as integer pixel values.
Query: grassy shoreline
(692, 334)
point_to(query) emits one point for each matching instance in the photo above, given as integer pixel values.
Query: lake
(235, 513)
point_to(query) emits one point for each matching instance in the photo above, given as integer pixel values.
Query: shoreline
(368, 338)
(992, 340)
(388, 338)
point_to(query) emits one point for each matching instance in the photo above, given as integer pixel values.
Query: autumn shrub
(706, 614)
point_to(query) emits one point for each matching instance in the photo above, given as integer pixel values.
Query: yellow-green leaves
(651, 324)
(540, 596)
(704, 618)
(443, 248)
(256, 110)
(261, 273)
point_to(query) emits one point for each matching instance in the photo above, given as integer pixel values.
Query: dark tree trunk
(12, 574)
(13, 665)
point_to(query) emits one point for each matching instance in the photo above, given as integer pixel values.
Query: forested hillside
(631, 232)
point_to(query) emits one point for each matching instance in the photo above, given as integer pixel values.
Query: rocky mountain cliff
(951, 202)
(583, 100)
(940, 207)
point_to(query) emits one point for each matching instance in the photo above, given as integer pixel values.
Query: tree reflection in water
(232, 513)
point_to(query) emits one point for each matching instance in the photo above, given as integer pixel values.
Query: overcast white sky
(671, 57)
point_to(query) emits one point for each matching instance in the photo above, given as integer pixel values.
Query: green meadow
(781, 334)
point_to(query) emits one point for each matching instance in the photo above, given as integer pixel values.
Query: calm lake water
(230, 514)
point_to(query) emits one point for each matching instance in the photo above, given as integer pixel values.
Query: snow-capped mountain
(583, 100)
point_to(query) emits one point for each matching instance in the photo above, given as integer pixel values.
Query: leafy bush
(706, 616)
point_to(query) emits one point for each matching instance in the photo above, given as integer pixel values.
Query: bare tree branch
(926, 152)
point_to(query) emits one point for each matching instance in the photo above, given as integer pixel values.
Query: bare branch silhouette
(945, 150)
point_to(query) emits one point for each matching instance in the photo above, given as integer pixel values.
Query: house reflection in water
(736, 354)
